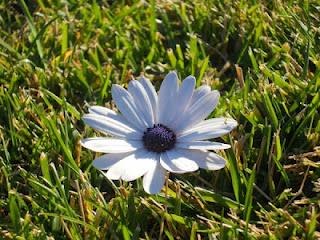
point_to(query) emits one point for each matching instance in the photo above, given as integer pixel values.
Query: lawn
(59, 57)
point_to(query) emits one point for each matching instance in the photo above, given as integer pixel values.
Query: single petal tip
(112, 176)
(115, 88)
(173, 74)
(233, 123)
(95, 164)
(82, 142)
(226, 146)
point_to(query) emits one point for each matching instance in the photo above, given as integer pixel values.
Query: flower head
(154, 134)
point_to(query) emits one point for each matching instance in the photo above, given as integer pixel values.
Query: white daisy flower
(154, 133)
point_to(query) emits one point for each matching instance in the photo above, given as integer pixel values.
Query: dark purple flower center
(159, 138)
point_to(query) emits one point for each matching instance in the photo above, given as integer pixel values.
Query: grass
(59, 57)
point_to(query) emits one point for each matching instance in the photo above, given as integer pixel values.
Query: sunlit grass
(57, 57)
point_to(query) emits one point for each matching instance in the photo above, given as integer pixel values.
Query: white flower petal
(211, 128)
(187, 88)
(205, 145)
(197, 112)
(111, 145)
(109, 125)
(152, 94)
(102, 111)
(142, 101)
(207, 160)
(115, 171)
(111, 114)
(133, 166)
(145, 160)
(126, 105)
(178, 161)
(107, 160)
(167, 97)
(154, 179)
(200, 92)
(183, 99)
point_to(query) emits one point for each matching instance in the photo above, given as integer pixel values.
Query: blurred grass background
(58, 57)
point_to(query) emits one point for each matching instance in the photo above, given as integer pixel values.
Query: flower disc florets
(159, 138)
